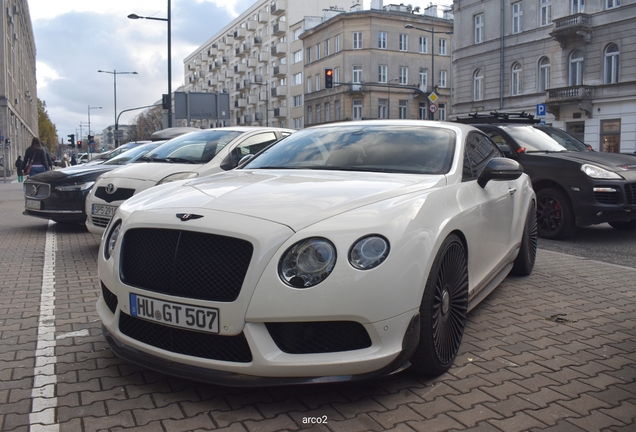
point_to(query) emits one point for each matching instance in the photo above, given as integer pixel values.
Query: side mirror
(506, 151)
(500, 169)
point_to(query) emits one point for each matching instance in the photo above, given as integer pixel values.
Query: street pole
(114, 73)
(89, 124)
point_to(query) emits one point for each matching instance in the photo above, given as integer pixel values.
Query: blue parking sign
(541, 110)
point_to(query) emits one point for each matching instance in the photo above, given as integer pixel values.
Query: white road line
(42, 417)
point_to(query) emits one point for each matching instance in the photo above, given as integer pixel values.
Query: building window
(318, 82)
(515, 80)
(382, 104)
(442, 47)
(517, 14)
(318, 114)
(298, 101)
(298, 78)
(382, 71)
(404, 75)
(317, 52)
(357, 109)
(327, 111)
(403, 109)
(546, 12)
(357, 40)
(611, 64)
(575, 76)
(298, 123)
(357, 74)
(382, 40)
(297, 33)
(298, 56)
(309, 86)
(308, 55)
(442, 78)
(327, 48)
(404, 42)
(577, 6)
(441, 111)
(423, 111)
(478, 85)
(423, 45)
(337, 108)
(610, 4)
(544, 74)
(310, 118)
(336, 76)
(424, 78)
(336, 43)
(479, 28)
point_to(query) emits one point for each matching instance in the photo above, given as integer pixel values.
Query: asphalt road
(598, 242)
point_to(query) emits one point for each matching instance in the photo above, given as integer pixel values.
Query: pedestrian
(19, 166)
(35, 156)
(65, 162)
(73, 160)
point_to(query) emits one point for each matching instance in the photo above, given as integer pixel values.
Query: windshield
(195, 147)
(385, 148)
(544, 139)
(132, 154)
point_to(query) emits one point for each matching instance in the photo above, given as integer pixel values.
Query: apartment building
(573, 61)
(248, 59)
(387, 62)
(18, 90)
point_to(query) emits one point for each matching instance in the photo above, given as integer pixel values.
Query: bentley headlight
(599, 173)
(75, 187)
(369, 252)
(307, 263)
(111, 240)
(178, 176)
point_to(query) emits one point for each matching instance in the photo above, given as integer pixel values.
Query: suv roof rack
(499, 117)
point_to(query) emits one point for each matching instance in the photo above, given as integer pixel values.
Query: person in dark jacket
(73, 159)
(36, 155)
(19, 167)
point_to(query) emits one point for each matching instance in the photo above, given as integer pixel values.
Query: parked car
(99, 158)
(60, 195)
(188, 156)
(575, 186)
(342, 252)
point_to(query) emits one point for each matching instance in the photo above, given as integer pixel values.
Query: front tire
(555, 216)
(524, 263)
(443, 310)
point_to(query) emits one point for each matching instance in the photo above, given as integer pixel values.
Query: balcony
(258, 79)
(280, 112)
(280, 70)
(244, 50)
(279, 92)
(263, 17)
(229, 73)
(257, 40)
(240, 68)
(247, 118)
(263, 57)
(251, 24)
(240, 103)
(213, 51)
(278, 7)
(280, 28)
(280, 49)
(252, 62)
(258, 116)
(224, 59)
(215, 65)
(581, 95)
(239, 34)
(355, 87)
(252, 99)
(572, 28)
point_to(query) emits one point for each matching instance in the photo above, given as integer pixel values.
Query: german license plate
(103, 210)
(175, 314)
(33, 204)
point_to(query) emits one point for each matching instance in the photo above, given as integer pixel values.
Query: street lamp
(89, 123)
(167, 20)
(115, 73)
(388, 109)
(432, 32)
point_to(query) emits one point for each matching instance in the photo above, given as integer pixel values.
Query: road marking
(78, 333)
(42, 417)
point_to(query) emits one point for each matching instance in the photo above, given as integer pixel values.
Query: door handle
(512, 191)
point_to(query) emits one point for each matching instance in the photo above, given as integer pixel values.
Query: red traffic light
(328, 78)
(79, 144)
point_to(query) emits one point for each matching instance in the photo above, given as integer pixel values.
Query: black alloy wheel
(524, 263)
(555, 217)
(443, 310)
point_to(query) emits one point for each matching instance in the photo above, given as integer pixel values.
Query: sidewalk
(555, 351)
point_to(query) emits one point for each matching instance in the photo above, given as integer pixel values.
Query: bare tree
(149, 121)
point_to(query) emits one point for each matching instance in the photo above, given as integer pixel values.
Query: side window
(256, 143)
(479, 150)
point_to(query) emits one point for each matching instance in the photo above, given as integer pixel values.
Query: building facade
(573, 61)
(386, 62)
(249, 60)
(18, 88)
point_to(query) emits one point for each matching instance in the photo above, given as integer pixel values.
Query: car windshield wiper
(547, 151)
(180, 160)
(149, 159)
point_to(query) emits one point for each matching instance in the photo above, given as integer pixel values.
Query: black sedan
(60, 195)
(574, 186)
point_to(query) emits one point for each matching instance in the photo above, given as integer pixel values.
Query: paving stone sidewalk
(555, 351)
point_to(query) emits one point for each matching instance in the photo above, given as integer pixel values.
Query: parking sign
(541, 110)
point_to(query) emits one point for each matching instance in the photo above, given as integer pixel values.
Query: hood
(616, 162)
(74, 174)
(154, 171)
(290, 197)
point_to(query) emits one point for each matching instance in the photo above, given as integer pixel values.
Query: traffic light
(71, 140)
(79, 144)
(91, 139)
(328, 78)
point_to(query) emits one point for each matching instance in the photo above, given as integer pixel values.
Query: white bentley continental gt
(342, 252)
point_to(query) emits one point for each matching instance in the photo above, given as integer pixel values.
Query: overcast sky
(76, 38)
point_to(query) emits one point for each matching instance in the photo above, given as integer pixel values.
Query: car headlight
(598, 172)
(178, 176)
(75, 187)
(307, 263)
(111, 239)
(369, 252)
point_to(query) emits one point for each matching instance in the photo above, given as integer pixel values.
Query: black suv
(575, 186)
